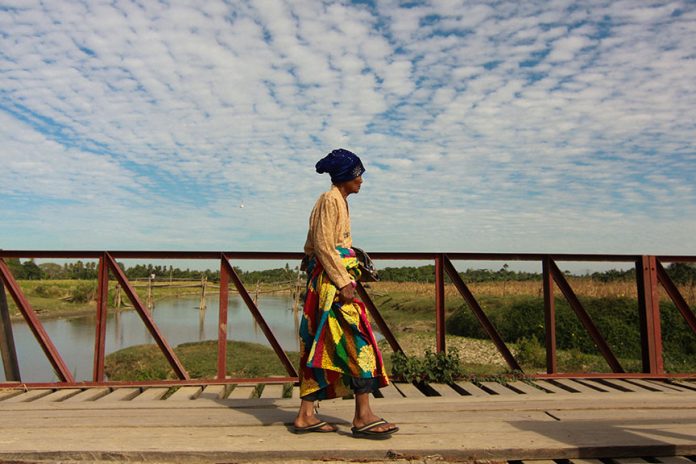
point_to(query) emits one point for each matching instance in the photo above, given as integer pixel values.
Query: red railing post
(222, 320)
(100, 329)
(549, 317)
(440, 302)
(649, 312)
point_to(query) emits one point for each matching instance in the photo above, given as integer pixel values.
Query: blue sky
(549, 126)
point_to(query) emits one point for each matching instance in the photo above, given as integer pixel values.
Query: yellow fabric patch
(351, 314)
(366, 359)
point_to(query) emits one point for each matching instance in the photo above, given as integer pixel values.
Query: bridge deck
(542, 420)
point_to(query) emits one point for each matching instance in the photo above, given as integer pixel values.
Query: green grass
(146, 362)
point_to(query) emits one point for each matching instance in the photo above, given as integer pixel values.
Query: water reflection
(179, 320)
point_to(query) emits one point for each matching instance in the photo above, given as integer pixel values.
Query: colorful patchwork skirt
(336, 341)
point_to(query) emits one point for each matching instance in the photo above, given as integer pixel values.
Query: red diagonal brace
(35, 325)
(676, 296)
(258, 317)
(147, 318)
(480, 315)
(585, 318)
(377, 316)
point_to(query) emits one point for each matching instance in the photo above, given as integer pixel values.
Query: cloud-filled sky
(546, 126)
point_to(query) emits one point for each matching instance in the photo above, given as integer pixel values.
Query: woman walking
(338, 351)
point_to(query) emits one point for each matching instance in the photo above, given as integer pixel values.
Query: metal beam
(549, 317)
(649, 312)
(100, 326)
(30, 316)
(258, 317)
(147, 319)
(676, 296)
(440, 303)
(585, 318)
(222, 319)
(377, 316)
(481, 316)
(7, 344)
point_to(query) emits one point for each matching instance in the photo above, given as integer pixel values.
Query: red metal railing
(649, 274)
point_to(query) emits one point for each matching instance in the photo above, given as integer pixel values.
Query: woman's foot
(312, 424)
(375, 424)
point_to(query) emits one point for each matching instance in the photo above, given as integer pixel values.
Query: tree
(31, 270)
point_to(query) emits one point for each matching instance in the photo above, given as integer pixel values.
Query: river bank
(75, 298)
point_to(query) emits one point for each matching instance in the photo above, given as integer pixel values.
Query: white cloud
(523, 127)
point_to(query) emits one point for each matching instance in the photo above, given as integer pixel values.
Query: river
(178, 319)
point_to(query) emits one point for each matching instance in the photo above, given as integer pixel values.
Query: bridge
(648, 415)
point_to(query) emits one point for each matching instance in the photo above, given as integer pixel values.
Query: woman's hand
(346, 294)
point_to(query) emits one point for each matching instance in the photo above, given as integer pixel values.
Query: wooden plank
(31, 395)
(577, 386)
(59, 395)
(295, 392)
(409, 390)
(152, 394)
(185, 394)
(669, 385)
(472, 389)
(619, 385)
(686, 385)
(629, 461)
(526, 388)
(585, 461)
(675, 460)
(390, 391)
(9, 393)
(649, 386)
(552, 387)
(242, 391)
(445, 390)
(272, 390)
(120, 394)
(212, 392)
(90, 394)
(498, 388)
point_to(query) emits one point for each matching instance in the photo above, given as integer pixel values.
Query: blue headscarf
(342, 165)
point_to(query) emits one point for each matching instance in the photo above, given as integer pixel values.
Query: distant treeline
(680, 273)
(29, 270)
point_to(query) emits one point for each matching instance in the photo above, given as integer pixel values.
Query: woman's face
(353, 186)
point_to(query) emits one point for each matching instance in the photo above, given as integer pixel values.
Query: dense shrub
(433, 367)
(83, 292)
(48, 291)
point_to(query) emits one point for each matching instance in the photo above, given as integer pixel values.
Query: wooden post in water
(7, 344)
(150, 304)
(202, 304)
(117, 296)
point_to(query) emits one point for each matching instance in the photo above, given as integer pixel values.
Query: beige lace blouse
(329, 227)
